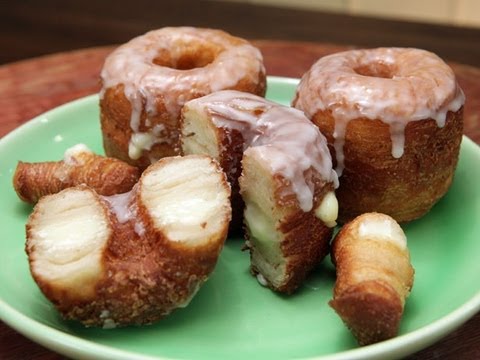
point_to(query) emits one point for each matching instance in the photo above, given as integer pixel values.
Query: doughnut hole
(376, 69)
(187, 55)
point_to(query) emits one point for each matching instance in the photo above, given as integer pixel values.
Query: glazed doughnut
(147, 80)
(393, 118)
(287, 181)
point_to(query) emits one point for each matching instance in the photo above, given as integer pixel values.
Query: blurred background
(448, 12)
(451, 28)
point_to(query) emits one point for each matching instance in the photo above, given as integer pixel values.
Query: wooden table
(32, 86)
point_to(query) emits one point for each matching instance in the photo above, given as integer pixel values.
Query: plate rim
(71, 345)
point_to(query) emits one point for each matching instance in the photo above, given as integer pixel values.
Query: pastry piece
(287, 183)
(107, 176)
(147, 80)
(374, 276)
(135, 257)
(393, 119)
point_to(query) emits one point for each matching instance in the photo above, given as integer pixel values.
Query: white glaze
(140, 141)
(261, 280)
(139, 227)
(193, 292)
(120, 205)
(109, 324)
(380, 227)
(144, 82)
(289, 142)
(420, 86)
(104, 314)
(70, 157)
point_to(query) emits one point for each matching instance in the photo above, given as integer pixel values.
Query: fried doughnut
(286, 181)
(147, 80)
(135, 257)
(393, 118)
(374, 276)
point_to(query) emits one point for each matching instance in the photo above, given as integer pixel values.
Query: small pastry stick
(374, 276)
(107, 176)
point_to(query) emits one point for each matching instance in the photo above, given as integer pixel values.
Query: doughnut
(279, 166)
(393, 119)
(133, 258)
(374, 276)
(146, 81)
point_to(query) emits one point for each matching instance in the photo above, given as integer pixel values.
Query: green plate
(233, 316)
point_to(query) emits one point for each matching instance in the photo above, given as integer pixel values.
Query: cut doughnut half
(135, 257)
(285, 243)
(279, 166)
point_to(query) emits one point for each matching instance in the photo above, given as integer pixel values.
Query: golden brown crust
(405, 188)
(107, 176)
(371, 310)
(26, 181)
(149, 276)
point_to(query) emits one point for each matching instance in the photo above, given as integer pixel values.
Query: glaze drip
(125, 210)
(120, 205)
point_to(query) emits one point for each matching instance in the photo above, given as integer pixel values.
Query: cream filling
(327, 211)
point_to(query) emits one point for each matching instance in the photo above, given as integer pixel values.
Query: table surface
(74, 34)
